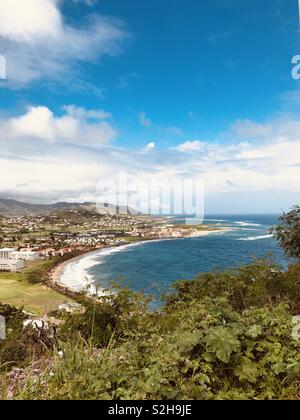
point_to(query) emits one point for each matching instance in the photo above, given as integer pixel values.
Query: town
(30, 237)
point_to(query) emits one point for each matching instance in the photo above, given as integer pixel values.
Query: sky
(170, 89)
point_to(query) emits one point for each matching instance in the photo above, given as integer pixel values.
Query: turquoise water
(153, 266)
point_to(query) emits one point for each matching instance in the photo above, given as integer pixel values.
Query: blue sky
(196, 81)
(215, 61)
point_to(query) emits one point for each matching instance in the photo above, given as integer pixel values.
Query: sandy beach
(56, 274)
(71, 274)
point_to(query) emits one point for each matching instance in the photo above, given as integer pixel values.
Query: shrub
(21, 347)
(257, 284)
(288, 232)
(113, 315)
(222, 336)
(212, 352)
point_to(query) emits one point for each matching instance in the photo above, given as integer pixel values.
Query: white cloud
(82, 113)
(37, 43)
(270, 160)
(247, 129)
(150, 146)
(42, 155)
(76, 125)
(25, 21)
(190, 146)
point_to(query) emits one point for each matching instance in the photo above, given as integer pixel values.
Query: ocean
(152, 267)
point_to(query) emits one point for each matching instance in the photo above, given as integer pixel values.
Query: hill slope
(9, 207)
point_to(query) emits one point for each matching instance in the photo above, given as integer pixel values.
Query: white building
(26, 254)
(6, 253)
(8, 260)
(11, 265)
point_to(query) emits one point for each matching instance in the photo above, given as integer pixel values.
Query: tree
(288, 232)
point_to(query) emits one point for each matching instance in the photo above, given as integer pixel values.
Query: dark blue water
(153, 266)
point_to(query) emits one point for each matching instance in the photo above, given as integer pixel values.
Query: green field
(17, 290)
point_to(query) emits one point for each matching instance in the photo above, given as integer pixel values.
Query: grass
(17, 290)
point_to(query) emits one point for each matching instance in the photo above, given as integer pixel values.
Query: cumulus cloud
(190, 146)
(150, 146)
(63, 157)
(76, 125)
(251, 130)
(82, 113)
(263, 157)
(38, 43)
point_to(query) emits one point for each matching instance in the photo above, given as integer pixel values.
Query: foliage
(14, 318)
(113, 315)
(21, 347)
(288, 232)
(257, 284)
(204, 344)
(222, 342)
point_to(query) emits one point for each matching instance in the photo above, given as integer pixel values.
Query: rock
(36, 324)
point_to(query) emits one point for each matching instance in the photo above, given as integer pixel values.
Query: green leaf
(222, 342)
(254, 331)
(247, 371)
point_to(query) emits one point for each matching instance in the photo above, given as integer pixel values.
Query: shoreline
(55, 275)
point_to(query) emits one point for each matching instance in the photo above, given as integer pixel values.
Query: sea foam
(255, 238)
(76, 273)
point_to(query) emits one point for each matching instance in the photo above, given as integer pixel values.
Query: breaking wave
(255, 238)
(247, 224)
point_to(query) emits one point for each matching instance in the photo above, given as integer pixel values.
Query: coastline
(58, 276)
(55, 275)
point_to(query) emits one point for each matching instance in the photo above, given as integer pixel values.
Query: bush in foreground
(221, 336)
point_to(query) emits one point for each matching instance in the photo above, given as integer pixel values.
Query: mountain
(9, 207)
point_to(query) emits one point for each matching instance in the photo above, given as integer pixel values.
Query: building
(51, 252)
(6, 253)
(26, 254)
(9, 260)
(11, 265)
